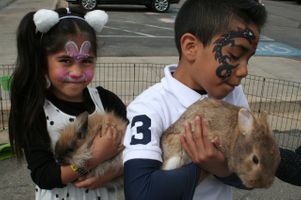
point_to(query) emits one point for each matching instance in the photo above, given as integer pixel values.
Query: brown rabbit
(74, 144)
(246, 142)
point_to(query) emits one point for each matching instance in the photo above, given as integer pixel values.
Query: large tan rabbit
(246, 141)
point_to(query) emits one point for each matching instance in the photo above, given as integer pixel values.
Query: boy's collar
(185, 95)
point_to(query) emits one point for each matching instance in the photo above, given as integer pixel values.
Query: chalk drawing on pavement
(276, 49)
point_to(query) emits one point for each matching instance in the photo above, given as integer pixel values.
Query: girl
(57, 53)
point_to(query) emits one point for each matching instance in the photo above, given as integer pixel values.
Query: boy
(215, 40)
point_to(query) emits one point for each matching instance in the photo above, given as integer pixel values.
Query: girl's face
(71, 69)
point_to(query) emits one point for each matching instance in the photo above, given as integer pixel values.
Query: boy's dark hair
(207, 18)
(28, 83)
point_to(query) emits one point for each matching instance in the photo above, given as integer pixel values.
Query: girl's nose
(75, 71)
(75, 75)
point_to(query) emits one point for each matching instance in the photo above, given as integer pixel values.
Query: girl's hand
(95, 182)
(202, 151)
(106, 146)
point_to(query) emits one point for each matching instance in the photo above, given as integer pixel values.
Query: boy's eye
(233, 57)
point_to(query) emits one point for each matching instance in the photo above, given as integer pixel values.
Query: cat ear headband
(45, 19)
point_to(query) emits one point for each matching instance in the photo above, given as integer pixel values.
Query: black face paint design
(224, 71)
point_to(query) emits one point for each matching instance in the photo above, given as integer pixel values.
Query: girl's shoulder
(111, 101)
(106, 94)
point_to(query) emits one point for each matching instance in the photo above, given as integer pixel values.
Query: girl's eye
(87, 61)
(66, 61)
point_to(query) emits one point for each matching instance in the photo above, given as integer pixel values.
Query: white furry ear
(97, 19)
(45, 19)
(245, 121)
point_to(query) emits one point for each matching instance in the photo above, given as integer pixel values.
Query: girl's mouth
(77, 79)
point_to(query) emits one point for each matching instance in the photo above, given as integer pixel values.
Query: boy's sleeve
(144, 180)
(143, 176)
(234, 181)
(289, 169)
(143, 134)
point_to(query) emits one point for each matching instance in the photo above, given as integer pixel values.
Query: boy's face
(220, 66)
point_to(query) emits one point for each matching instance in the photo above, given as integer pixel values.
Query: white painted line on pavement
(150, 25)
(265, 38)
(168, 20)
(134, 36)
(128, 31)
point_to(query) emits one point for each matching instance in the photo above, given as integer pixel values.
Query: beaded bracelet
(79, 170)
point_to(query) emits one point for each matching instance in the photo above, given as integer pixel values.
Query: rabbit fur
(74, 145)
(246, 141)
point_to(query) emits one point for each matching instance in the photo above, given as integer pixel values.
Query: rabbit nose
(252, 182)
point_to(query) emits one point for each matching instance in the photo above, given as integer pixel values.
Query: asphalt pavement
(15, 182)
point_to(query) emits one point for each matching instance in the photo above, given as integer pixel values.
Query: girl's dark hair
(28, 83)
(207, 18)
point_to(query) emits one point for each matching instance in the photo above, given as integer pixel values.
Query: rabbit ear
(71, 49)
(81, 125)
(245, 121)
(263, 116)
(85, 48)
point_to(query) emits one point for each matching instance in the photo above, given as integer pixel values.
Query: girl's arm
(103, 148)
(45, 172)
(95, 182)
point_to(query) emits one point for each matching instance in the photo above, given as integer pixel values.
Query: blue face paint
(224, 71)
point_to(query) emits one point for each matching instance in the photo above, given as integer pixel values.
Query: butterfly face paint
(224, 71)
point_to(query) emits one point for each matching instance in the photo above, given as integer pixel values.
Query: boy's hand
(106, 146)
(202, 151)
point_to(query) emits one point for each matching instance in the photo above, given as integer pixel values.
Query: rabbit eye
(255, 159)
(70, 149)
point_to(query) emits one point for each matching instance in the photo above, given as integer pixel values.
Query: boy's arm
(144, 180)
(289, 169)
(234, 181)
(143, 176)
